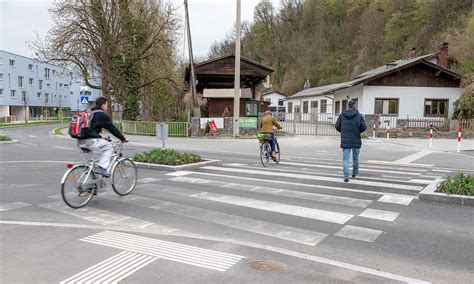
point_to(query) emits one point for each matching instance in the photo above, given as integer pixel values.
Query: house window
(314, 107)
(13, 93)
(46, 73)
(251, 108)
(31, 81)
(12, 63)
(305, 106)
(1, 92)
(344, 105)
(290, 107)
(30, 67)
(338, 107)
(61, 85)
(297, 109)
(324, 106)
(46, 98)
(386, 106)
(40, 84)
(436, 108)
(20, 82)
(38, 95)
(1, 76)
(280, 102)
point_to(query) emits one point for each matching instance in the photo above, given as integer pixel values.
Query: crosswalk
(302, 203)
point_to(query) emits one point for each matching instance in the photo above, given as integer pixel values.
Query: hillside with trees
(330, 41)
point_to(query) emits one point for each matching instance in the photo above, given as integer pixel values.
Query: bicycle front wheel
(78, 187)
(277, 154)
(265, 152)
(124, 176)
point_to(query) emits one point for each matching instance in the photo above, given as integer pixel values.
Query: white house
(422, 86)
(278, 103)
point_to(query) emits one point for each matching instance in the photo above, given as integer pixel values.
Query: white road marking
(306, 185)
(13, 205)
(33, 136)
(359, 233)
(113, 269)
(423, 181)
(179, 173)
(149, 180)
(402, 200)
(362, 169)
(431, 176)
(379, 214)
(281, 192)
(64, 148)
(235, 165)
(106, 218)
(441, 171)
(313, 177)
(315, 214)
(308, 257)
(192, 255)
(242, 223)
(413, 157)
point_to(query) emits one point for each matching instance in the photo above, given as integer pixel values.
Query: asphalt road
(222, 224)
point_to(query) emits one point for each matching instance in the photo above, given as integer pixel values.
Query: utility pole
(191, 59)
(237, 73)
(26, 109)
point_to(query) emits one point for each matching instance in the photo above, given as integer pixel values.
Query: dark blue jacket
(351, 124)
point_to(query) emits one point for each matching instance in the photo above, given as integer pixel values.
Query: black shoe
(353, 176)
(346, 180)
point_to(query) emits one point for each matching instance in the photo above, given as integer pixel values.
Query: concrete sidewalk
(442, 145)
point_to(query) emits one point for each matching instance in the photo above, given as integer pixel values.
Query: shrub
(5, 138)
(461, 184)
(166, 157)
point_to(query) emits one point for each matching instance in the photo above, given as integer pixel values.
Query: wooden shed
(215, 82)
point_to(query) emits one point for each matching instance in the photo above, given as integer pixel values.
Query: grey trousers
(97, 145)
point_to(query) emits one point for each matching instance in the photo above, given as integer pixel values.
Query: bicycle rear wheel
(265, 152)
(75, 191)
(124, 176)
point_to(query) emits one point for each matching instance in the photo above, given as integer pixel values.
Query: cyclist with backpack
(87, 126)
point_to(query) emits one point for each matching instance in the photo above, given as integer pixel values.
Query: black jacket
(351, 124)
(102, 120)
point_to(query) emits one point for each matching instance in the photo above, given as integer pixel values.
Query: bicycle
(266, 149)
(80, 183)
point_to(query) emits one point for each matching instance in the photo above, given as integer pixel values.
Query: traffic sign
(84, 100)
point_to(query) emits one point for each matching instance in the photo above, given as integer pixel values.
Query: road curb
(10, 142)
(176, 168)
(429, 193)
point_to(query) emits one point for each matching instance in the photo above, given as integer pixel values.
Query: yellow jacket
(267, 124)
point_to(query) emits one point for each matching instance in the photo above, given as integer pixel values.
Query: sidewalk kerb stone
(10, 142)
(429, 193)
(176, 168)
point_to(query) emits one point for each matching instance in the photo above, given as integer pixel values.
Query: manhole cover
(266, 265)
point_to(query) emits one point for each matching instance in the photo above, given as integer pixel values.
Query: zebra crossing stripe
(113, 269)
(379, 214)
(362, 169)
(312, 177)
(292, 234)
(311, 213)
(13, 205)
(166, 250)
(359, 233)
(402, 200)
(348, 201)
(423, 181)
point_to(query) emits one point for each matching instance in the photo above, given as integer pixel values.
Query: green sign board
(248, 122)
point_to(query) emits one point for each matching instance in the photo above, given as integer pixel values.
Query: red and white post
(431, 136)
(459, 139)
(388, 130)
(373, 132)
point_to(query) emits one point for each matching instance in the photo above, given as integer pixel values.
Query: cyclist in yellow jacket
(266, 127)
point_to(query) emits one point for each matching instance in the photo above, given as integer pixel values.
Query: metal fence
(439, 123)
(175, 129)
(310, 123)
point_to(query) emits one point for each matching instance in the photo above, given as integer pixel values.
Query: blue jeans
(346, 152)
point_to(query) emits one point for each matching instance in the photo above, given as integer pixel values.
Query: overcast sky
(210, 21)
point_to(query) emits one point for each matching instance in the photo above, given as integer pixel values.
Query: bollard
(431, 135)
(373, 132)
(459, 139)
(388, 130)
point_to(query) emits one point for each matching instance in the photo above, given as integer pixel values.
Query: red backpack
(79, 127)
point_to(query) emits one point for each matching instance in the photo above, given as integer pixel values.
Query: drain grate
(266, 265)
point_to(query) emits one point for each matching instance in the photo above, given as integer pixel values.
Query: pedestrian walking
(350, 124)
